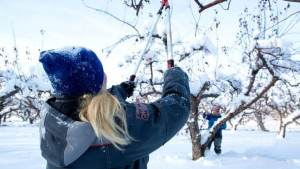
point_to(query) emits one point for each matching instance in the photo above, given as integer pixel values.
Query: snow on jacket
(212, 119)
(67, 142)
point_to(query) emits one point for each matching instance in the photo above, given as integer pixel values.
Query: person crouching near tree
(87, 126)
(212, 118)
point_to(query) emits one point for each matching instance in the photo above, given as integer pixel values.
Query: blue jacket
(211, 120)
(67, 142)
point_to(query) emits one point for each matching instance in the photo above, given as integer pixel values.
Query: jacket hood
(64, 140)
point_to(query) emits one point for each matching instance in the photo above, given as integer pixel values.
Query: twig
(211, 5)
(282, 20)
(138, 7)
(111, 47)
(199, 4)
(118, 19)
(227, 5)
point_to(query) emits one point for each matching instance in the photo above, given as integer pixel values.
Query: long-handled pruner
(170, 60)
(169, 37)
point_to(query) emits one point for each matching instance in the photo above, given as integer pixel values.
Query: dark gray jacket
(67, 142)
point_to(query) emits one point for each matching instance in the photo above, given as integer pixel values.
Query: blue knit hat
(73, 71)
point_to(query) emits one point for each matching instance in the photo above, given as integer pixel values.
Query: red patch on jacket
(142, 111)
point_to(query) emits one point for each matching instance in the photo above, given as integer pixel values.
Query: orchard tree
(9, 86)
(267, 58)
(35, 90)
(22, 94)
(237, 82)
(289, 120)
(284, 100)
(33, 95)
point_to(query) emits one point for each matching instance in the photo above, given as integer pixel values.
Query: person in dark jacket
(212, 118)
(86, 126)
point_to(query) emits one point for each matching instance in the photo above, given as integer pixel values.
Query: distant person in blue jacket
(212, 118)
(86, 126)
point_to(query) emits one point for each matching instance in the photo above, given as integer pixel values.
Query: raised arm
(152, 125)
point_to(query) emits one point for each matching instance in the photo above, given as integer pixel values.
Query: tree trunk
(281, 125)
(283, 131)
(260, 123)
(194, 128)
(31, 121)
(235, 127)
(4, 118)
(1, 119)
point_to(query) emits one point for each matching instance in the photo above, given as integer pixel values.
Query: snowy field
(243, 149)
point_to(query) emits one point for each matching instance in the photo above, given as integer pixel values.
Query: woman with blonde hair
(87, 126)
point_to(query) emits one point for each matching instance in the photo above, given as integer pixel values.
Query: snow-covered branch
(291, 118)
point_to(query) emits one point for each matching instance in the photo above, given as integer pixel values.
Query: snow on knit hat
(73, 71)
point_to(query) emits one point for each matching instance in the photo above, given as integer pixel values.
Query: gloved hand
(212, 132)
(129, 86)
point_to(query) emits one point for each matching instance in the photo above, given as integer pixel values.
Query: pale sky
(69, 22)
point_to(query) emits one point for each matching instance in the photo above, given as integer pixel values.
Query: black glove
(129, 86)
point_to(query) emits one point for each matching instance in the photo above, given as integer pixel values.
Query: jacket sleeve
(203, 115)
(152, 125)
(206, 117)
(119, 92)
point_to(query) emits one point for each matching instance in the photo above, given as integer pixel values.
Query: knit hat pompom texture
(73, 71)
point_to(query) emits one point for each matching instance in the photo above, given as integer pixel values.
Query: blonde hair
(106, 116)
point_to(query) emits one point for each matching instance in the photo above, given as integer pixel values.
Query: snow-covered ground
(243, 149)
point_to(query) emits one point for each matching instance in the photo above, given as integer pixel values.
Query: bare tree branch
(292, 0)
(252, 80)
(10, 94)
(259, 54)
(293, 85)
(110, 48)
(199, 4)
(272, 83)
(216, 2)
(118, 19)
(281, 21)
(228, 6)
(138, 7)
(210, 95)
